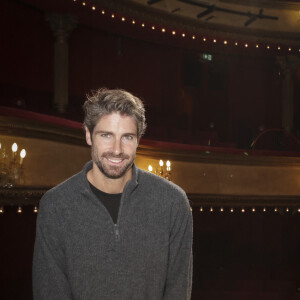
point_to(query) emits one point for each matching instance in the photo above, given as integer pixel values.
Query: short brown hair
(104, 102)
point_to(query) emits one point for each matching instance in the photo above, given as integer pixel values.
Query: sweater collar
(130, 185)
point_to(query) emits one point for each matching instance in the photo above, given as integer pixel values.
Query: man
(113, 231)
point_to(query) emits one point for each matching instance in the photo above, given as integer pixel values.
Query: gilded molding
(277, 4)
(10, 126)
(202, 156)
(21, 196)
(198, 200)
(33, 129)
(24, 196)
(156, 16)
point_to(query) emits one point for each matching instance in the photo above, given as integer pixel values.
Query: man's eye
(128, 137)
(105, 135)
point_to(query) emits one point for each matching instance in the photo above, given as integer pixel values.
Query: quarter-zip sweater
(81, 254)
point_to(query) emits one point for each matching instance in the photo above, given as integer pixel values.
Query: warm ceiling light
(153, 27)
(236, 43)
(183, 35)
(193, 37)
(257, 46)
(112, 15)
(143, 25)
(290, 49)
(268, 47)
(278, 47)
(204, 39)
(246, 45)
(163, 30)
(93, 7)
(103, 12)
(173, 32)
(133, 22)
(123, 19)
(215, 40)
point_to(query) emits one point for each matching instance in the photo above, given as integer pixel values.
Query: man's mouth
(115, 160)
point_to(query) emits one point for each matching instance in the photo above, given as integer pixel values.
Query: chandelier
(11, 166)
(164, 170)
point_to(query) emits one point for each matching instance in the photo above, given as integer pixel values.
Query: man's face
(114, 142)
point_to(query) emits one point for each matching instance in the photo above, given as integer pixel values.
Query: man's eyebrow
(110, 132)
(129, 133)
(103, 131)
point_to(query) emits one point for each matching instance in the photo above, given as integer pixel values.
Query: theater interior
(220, 80)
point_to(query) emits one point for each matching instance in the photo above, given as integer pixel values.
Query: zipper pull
(117, 233)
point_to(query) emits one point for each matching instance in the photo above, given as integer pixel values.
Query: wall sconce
(164, 170)
(11, 166)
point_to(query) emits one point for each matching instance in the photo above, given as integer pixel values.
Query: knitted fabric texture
(81, 254)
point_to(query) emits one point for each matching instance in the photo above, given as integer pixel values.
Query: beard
(112, 171)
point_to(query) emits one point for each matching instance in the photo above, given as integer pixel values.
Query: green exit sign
(206, 56)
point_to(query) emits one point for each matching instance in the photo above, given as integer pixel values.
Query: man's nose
(117, 147)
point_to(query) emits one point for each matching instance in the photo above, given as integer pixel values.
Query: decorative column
(61, 26)
(288, 65)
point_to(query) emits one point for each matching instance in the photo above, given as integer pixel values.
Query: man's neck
(105, 184)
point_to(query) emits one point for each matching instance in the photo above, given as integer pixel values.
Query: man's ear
(88, 136)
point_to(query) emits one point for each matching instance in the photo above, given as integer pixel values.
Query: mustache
(112, 155)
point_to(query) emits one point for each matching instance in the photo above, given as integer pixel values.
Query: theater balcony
(220, 81)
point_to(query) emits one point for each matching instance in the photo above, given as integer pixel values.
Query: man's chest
(139, 240)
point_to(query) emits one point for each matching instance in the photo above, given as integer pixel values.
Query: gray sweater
(81, 254)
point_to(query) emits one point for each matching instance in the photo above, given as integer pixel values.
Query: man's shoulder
(64, 191)
(159, 192)
(159, 185)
